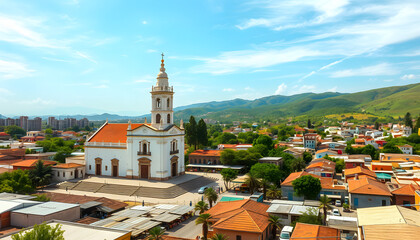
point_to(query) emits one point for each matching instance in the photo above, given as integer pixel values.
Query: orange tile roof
(32, 162)
(368, 186)
(326, 182)
(304, 231)
(113, 132)
(408, 189)
(68, 165)
(322, 164)
(243, 215)
(325, 150)
(206, 152)
(359, 170)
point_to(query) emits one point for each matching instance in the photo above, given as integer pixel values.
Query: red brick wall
(399, 199)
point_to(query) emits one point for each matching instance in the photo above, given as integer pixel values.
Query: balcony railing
(174, 152)
(105, 144)
(162, 88)
(141, 153)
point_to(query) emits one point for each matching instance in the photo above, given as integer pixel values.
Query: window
(64, 174)
(144, 148)
(58, 174)
(158, 103)
(383, 202)
(238, 237)
(71, 173)
(167, 102)
(90, 167)
(168, 118)
(158, 118)
(106, 168)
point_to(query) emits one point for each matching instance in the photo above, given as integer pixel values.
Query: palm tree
(204, 219)
(219, 236)
(41, 175)
(201, 206)
(274, 192)
(275, 223)
(156, 233)
(211, 196)
(264, 184)
(252, 182)
(325, 205)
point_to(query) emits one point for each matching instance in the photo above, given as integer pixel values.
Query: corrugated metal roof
(279, 208)
(102, 222)
(6, 206)
(130, 213)
(46, 208)
(166, 217)
(181, 210)
(166, 206)
(148, 225)
(299, 210)
(287, 202)
(138, 220)
(90, 204)
(142, 208)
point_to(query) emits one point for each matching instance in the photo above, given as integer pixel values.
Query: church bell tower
(162, 100)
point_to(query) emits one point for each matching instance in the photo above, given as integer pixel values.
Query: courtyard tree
(310, 217)
(307, 186)
(201, 206)
(204, 219)
(297, 164)
(307, 157)
(252, 182)
(17, 181)
(227, 157)
(211, 196)
(268, 173)
(276, 223)
(202, 133)
(156, 233)
(42, 231)
(228, 174)
(274, 192)
(325, 206)
(41, 175)
(191, 132)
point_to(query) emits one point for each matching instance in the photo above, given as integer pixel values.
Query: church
(148, 150)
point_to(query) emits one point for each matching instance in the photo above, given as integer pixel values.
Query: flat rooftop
(46, 208)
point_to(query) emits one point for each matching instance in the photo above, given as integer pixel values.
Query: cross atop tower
(162, 55)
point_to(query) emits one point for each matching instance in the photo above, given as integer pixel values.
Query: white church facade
(132, 150)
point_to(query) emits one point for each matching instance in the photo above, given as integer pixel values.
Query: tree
(260, 148)
(252, 182)
(42, 232)
(377, 125)
(15, 131)
(156, 233)
(202, 133)
(310, 217)
(275, 222)
(191, 132)
(204, 220)
(41, 198)
(201, 206)
(408, 121)
(274, 192)
(49, 131)
(309, 123)
(228, 174)
(307, 157)
(17, 181)
(307, 186)
(41, 175)
(325, 206)
(267, 173)
(219, 236)
(211, 196)
(227, 157)
(297, 165)
(265, 140)
(62, 154)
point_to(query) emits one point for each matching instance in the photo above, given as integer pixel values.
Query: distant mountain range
(391, 101)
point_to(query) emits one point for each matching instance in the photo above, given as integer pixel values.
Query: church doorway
(174, 169)
(144, 171)
(76, 173)
(114, 163)
(98, 169)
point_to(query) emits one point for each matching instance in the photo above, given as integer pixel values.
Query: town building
(357, 172)
(366, 192)
(311, 140)
(132, 150)
(67, 171)
(30, 164)
(406, 149)
(278, 161)
(314, 232)
(403, 195)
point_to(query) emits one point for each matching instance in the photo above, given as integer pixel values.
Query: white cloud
(101, 86)
(85, 56)
(144, 22)
(280, 89)
(5, 92)
(14, 70)
(382, 69)
(228, 90)
(408, 77)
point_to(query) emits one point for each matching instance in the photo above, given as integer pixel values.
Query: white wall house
(150, 150)
(67, 171)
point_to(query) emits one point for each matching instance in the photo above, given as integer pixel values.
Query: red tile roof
(32, 162)
(242, 215)
(326, 182)
(68, 165)
(113, 133)
(206, 153)
(408, 189)
(304, 231)
(368, 186)
(359, 171)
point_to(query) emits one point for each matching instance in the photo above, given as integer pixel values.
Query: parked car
(336, 212)
(202, 189)
(338, 203)
(286, 232)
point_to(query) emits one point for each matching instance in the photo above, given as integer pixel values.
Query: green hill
(390, 101)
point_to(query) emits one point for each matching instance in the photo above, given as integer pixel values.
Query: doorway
(76, 173)
(174, 169)
(98, 169)
(144, 171)
(115, 171)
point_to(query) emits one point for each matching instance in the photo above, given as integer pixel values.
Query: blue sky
(87, 56)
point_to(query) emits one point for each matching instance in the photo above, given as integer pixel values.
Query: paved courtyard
(180, 190)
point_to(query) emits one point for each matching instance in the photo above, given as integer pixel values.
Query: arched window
(168, 118)
(158, 103)
(173, 146)
(144, 148)
(158, 118)
(167, 102)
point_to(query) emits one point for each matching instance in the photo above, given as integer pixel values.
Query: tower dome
(162, 77)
